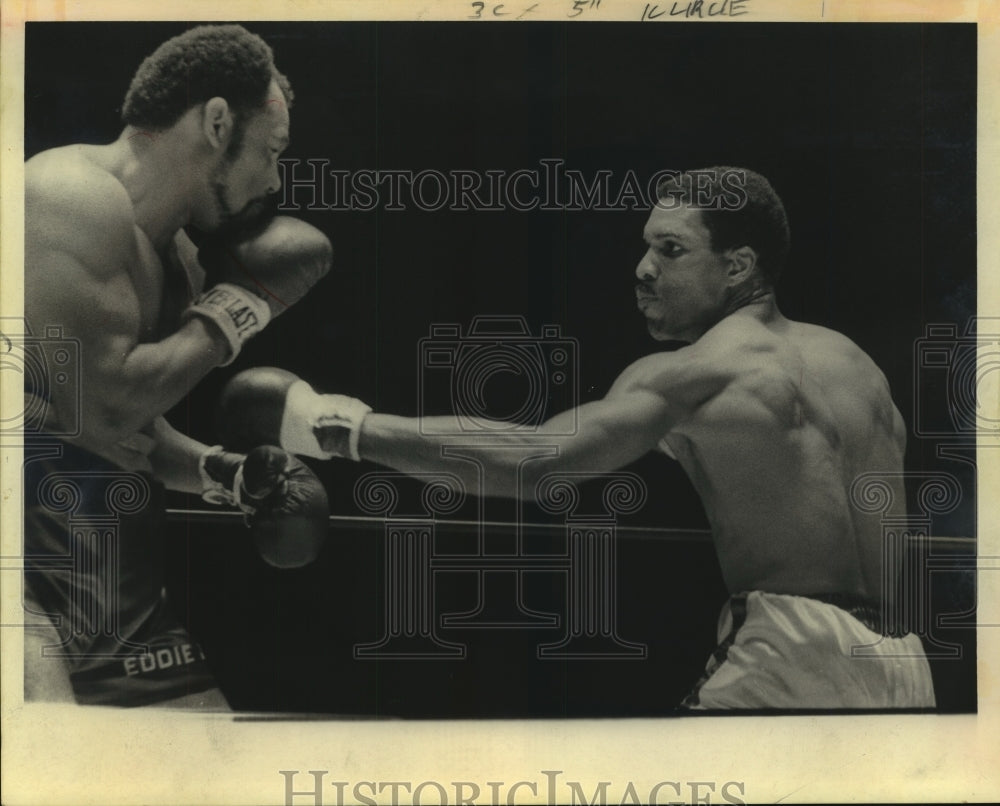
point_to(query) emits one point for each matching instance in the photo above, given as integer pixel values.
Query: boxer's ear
(742, 262)
(217, 122)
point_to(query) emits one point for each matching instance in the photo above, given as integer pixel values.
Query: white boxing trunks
(793, 652)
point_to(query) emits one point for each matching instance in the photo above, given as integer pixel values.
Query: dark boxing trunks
(94, 545)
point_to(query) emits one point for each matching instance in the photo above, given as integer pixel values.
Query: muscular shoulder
(688, 377)
(836, 353)
(746, 346)
(731, 348)
(846, 369)
(75, 206)
(744, 356)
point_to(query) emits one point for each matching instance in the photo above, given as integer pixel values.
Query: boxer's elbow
(115, 417)
(126, 404)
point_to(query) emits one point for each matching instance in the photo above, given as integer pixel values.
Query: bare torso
(92, 271)
(110, 291)
(802, 413)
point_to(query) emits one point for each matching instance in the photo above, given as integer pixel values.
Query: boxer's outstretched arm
(84, 273)
(271, 406)
(646, 401)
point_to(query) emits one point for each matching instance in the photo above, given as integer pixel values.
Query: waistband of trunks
(866, 611)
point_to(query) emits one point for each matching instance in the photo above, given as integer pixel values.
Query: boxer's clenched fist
(253, 278)
(278, 264)
(285, 504)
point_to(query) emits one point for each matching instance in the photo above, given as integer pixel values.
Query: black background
(866, 131)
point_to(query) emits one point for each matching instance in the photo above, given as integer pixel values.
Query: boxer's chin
(253, 217)
(657, 331)
(667, 339)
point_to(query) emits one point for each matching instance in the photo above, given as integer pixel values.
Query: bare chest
(162, 286)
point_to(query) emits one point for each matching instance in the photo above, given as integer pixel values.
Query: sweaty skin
(799, 413)
(106, 259)
(773, 420)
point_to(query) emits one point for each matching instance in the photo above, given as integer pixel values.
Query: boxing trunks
(828, 651)
(94, 544)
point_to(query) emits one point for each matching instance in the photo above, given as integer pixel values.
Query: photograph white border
(78, 755)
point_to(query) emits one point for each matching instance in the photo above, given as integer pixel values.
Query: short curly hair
(209, 61)
(739, 208)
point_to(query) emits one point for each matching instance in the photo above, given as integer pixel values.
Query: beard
(251, 217)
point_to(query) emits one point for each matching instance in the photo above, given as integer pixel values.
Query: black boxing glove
(285, 505)
(254, 277)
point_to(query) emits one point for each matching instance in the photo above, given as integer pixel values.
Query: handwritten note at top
(518, 11)
(696, 9)
(583, 9)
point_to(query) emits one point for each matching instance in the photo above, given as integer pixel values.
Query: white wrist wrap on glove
(237, 313)
(215, 492)
(305, 411)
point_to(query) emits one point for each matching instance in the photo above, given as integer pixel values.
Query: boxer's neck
(163, 173)
(759, 303)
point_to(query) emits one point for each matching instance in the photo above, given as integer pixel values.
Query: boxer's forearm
(175, 458)
(152, 378)
(418, 445)
(271, 406)
(592, 439)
